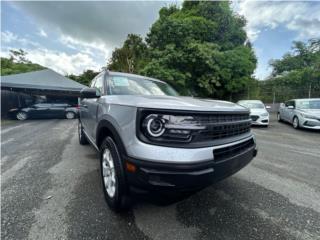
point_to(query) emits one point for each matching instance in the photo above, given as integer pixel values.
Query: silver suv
(151, 139)
(304, 113)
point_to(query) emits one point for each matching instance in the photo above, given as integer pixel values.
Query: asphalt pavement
(50, 189)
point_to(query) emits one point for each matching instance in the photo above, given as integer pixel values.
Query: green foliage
(85, 78)
(18, 63)
(296, 74)
(201, 50)
(130, 57)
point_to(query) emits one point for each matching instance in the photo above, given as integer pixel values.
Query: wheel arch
(105, 128)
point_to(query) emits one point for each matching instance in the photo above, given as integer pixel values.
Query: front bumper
(260, 121)
(309, 123)
(164, 177)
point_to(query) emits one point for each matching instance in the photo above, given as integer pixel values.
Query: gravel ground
(51, 190)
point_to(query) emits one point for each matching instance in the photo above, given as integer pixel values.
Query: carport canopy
(46, 82)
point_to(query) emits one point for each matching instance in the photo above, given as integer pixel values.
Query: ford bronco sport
(151, 139)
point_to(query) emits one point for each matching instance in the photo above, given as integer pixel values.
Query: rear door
(287, 111)
(40, 110)
(58, 110)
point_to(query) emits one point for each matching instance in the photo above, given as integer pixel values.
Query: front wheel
(113, 177)
(295, 123)
(22, 116)
(82, 137)
(279, 117)
(70, 115)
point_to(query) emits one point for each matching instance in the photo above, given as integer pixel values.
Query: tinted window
(290, 103)
(127, 85)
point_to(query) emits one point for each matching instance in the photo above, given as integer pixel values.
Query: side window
(100, 83)
(290, 103)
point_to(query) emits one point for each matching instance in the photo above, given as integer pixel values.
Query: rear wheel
(113, 177)
(82, 137)
(295, 123)
(279, 117)
(22, 116)
(70, 115)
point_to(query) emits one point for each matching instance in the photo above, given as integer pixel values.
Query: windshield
(308, 104)
(252, 105)
(120, 85)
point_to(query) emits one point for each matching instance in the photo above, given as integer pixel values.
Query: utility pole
(310, 90)
(274, 97)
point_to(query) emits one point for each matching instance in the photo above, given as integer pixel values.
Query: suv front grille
(222, 126)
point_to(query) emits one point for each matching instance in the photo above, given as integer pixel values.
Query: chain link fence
(273, 97)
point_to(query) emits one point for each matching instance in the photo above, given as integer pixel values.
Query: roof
(46, 79)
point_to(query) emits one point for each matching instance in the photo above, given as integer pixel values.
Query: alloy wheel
(295, 122)
(21, 116)
(108, 172)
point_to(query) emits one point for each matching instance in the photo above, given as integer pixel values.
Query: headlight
(308, 116)
(265, 114)
(172, 128)
(154, 125)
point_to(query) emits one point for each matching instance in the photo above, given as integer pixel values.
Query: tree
(200, 49)
(85, 78)
(18, 63)
(130, 57)
(297, 73)
(19, 56)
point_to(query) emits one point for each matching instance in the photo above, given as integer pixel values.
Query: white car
(301, 113)
(258, 112)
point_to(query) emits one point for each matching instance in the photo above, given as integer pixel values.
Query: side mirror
(282, 105)
(290, 107)
(90, 93)
(268, 107)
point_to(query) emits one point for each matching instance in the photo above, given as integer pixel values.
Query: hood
(173, 103)
(257, 111)
(315, 112)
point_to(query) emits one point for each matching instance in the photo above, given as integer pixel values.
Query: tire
(70, 115)
(22, 116)
(82, 137)
(113, 178)
(295, 122)
(279, 117)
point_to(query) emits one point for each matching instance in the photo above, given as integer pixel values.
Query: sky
(70, 37)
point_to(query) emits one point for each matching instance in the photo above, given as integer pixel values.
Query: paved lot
(51, 190)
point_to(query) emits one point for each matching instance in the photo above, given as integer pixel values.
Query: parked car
(45, 110)
(258, 112)
(150, 139)
(301, 113)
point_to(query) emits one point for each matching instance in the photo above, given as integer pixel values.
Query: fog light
(130, 167)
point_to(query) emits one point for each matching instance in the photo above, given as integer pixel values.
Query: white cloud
(62, 62)
(59, 61)
(8, 37)
(302, 17)
(91, 48)
(42, 33)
